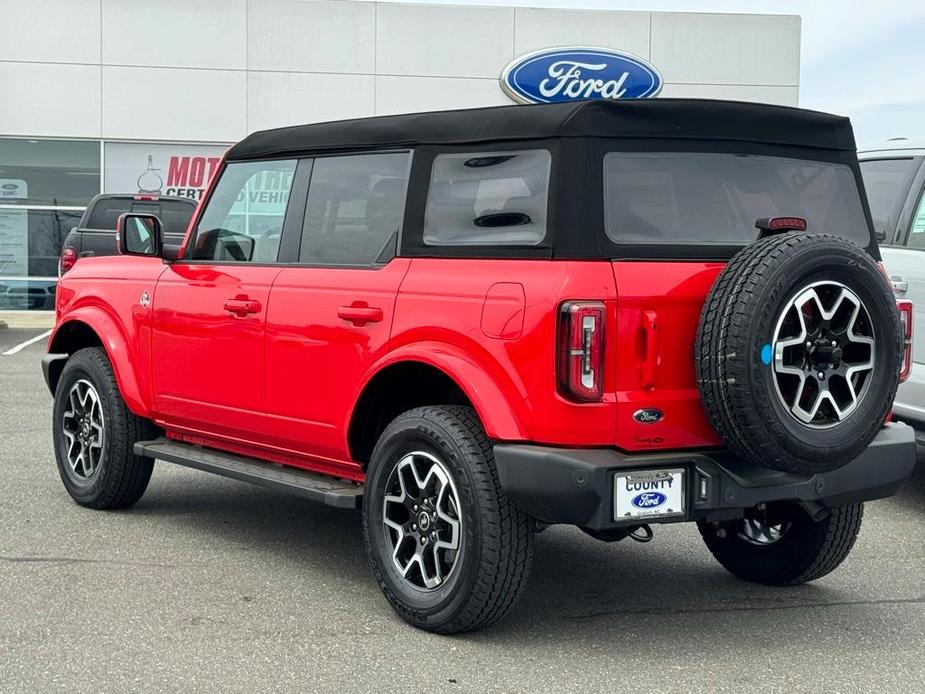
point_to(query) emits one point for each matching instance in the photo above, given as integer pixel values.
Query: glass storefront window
(59, 173)
(44, 187)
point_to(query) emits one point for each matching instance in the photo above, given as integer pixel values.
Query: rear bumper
(575, 486)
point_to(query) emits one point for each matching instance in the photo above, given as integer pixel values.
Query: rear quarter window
(488, 199)
(715, 199)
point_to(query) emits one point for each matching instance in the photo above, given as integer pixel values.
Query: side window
(887, 182)
(354, 209)
(917, 232)
(243, 219)
(488, 199)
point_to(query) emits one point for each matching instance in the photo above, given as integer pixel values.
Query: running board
(329, 490)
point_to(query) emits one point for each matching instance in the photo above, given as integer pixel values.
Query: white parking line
(23, 345)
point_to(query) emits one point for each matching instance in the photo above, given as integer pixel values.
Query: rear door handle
(900, 286)
(360, 314)
(241, 307)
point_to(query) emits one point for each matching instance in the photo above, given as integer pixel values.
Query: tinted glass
(917, 232)
(488, 199)
(174, 215)
(714, 199)
(887, 181)
(354, 209)
(243, 219)
(49, 172)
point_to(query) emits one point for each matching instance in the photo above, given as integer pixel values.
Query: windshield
(714, 199)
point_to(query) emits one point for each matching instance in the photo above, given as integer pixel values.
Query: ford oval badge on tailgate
(573, 73)
(648, 415)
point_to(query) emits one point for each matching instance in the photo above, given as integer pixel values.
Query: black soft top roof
(688, 119)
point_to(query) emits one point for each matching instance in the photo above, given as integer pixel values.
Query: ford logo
(9, 186)
(568, 74)
(649, 500)
(648, 415)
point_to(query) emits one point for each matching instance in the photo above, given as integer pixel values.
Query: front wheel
(449, 551)
(94, 435)
(781, 545)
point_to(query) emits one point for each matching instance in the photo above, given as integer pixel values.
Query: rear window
(488, 199)
(887, 181)
(174, 215)
(714, 199)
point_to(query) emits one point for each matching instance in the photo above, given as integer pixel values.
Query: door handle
(650, 350)
(360, 314)
(241, 307)
(900, 286)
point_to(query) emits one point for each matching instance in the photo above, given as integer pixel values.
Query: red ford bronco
(473, 324)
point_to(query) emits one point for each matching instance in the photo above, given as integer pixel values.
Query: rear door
(210, 308)
(329, 317)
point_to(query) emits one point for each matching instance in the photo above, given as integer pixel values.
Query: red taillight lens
(68, 258)
(905, 319)
(581, 350)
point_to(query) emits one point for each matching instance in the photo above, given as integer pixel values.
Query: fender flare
(112, 335)
(499, 408)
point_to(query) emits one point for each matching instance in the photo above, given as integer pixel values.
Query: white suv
(894, 176)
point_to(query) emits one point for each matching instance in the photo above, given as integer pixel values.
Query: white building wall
(214, 70)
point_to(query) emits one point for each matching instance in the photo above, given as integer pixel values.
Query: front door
(330, 317)
(210, 308)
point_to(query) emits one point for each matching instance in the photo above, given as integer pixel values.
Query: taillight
(67, 260)
(581, 350)
(905, 320)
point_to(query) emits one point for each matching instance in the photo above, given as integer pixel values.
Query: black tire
(807, 550)
(733, 352)
(496, 538)
(120, 477)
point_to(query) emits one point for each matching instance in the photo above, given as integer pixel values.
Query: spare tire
(798, 352)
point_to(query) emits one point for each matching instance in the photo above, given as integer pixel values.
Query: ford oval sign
(569, 74)
(649, 500)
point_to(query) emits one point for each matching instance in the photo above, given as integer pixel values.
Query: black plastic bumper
(575, 486)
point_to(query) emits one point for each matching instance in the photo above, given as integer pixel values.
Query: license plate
(649, 494)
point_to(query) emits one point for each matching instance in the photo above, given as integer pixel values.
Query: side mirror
(139, 234)
(879, 235)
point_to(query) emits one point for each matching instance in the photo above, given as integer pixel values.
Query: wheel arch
(436, 376)
(91, 327)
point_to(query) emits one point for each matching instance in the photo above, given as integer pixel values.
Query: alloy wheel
(823, 352)
(422, 519)
(84, 430)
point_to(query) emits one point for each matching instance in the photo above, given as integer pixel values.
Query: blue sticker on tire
(766, 354)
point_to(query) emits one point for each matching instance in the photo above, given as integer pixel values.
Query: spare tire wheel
(798, 352)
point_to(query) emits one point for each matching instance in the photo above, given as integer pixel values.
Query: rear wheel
(94, 435)
(449, 551)
(783, 546)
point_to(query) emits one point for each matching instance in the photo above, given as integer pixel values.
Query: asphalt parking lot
(214, 585)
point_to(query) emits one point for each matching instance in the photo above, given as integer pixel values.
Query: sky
(865, 60)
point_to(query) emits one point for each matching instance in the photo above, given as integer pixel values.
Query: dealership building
(132, 95)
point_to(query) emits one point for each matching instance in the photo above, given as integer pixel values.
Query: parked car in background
(894, 176)
(96, 233)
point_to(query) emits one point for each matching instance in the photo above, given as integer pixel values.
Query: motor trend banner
(160, 169)
(14, 229)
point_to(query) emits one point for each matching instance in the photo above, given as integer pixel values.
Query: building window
(44, 187)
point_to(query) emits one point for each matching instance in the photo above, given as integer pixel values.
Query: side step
(329, 490)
